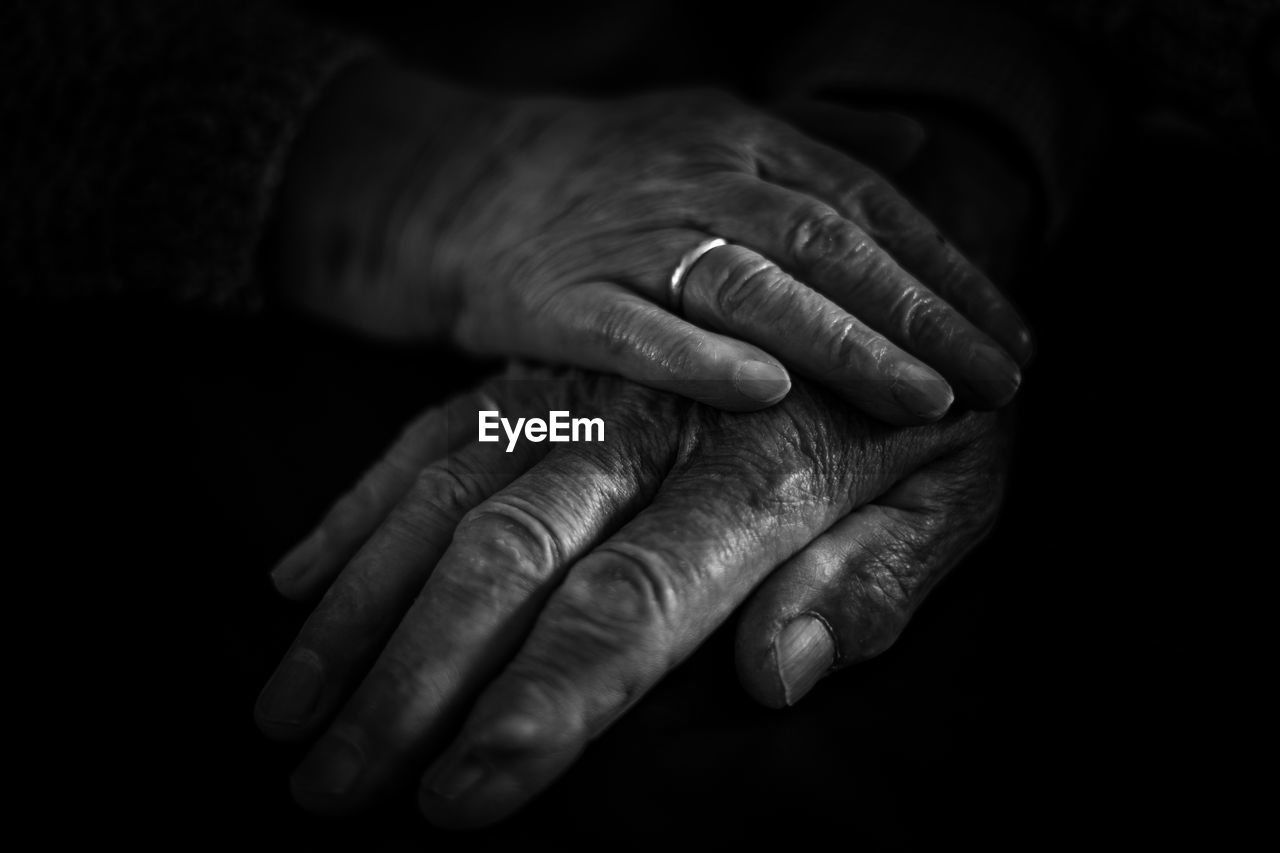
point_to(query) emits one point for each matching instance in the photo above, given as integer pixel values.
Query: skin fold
(486, 614)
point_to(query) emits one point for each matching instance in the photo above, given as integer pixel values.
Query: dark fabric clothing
(143, 141)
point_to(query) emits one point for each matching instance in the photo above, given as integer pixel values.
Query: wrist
(359, 210)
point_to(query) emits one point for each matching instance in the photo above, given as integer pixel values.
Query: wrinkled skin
(532, 597)
(549, 227)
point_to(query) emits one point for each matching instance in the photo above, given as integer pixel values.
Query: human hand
(532, 597)
(980, 195)
(550, 228)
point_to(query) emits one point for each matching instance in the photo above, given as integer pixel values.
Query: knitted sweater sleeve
(142, 141)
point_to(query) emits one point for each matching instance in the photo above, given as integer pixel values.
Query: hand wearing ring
(683, 240)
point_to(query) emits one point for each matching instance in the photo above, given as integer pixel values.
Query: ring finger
(736, 291)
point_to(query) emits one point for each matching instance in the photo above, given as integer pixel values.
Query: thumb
(849, 594)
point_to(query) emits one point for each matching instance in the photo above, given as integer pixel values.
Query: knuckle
(440, 496)
(538, 690)
(392, 698)
(351, 600)
(397, 676)
(514, 539)
(855, 195)
(444, 484)
(604, 636)
(925, 319)
(883, 210)
(627, 596)
(518, 522)
(849, 344)
(824, 239)
(815, 233)
(956, 280)
(746, 284)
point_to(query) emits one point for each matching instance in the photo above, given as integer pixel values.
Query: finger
(885, 141)
(738, 292)
(606, 327)
(863, 197)
(839, 259)
(849, 594)
(318, 558)
(633, 609)
(506, 556)
(360, 609)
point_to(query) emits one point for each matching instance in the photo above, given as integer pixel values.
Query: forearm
(372, 180)
(145, 141)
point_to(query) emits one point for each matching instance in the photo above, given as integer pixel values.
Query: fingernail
(298, 563)
(457, 775)
(1023, 345)
(804, 651)
(761, 381)
(993, 375)
(293, 692)
(922, 392)
(330, 769)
